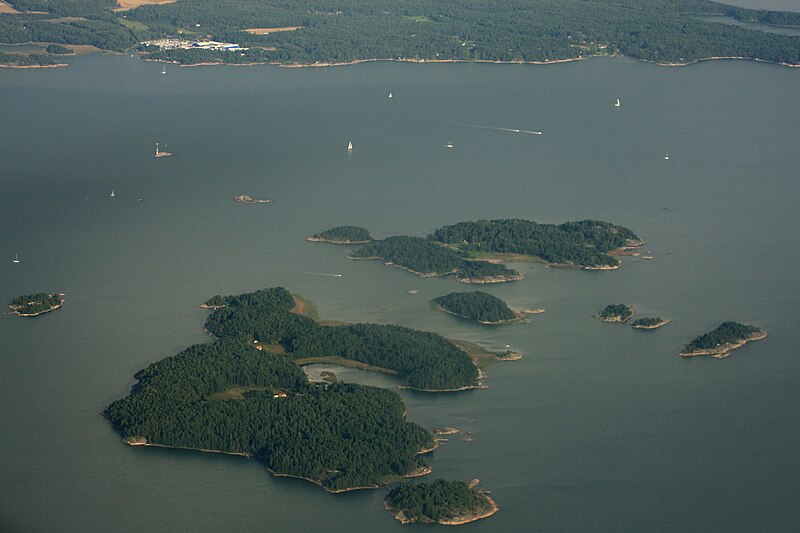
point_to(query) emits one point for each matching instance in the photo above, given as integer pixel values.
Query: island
(29, 305)
(649, 322)
(667, 32)
(479, 307)
(426, 258)
(441, 502)
(245, 199)
(473, 252)
(588, 244)
(245, 393)
(720, 342)
(616, 313)
(342, 235)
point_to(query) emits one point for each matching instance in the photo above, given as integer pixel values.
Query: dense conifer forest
(436, 501)
(343, 235)
(616, 313)
(35, 304)
(478, 306)
(239, 396)
(727, 332)
(427, 360)
(472, 30)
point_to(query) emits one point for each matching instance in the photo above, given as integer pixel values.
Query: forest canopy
(478, 306)
(663, 31)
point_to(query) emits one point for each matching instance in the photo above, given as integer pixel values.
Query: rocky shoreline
(724, 350)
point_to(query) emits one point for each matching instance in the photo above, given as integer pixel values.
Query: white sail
(350, 146)
(617, 103)
(16, 258)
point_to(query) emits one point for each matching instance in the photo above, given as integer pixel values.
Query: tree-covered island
(587, 243)
(479, 307)
(246, 394)
(29, 305)
(721, 341)
(440, 501)
(293, 33)
(650, 322)
(342, 235)
(616, 313)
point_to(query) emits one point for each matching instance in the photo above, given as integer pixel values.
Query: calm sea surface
(599, 427)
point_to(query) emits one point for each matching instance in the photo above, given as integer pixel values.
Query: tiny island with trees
(342, 235)
(649, 322)
(245, 393)
(478, 306)
(440, 501)
(616, 313)
(720, 342)
(29, 305)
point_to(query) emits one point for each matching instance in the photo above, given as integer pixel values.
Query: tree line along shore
(245, 394)
(473, 252)
(662, 31)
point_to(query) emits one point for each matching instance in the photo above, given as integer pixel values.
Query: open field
(5, 8)
(267, 31)
(130, 4)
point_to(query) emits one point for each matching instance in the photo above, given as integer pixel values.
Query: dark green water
(600, 427)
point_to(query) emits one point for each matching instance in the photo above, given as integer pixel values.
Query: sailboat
(390, 95)
(164, 69)
(350, 146)
(113, 194)
(449, 144)
(617, 103)
(666, 156)
(16, 258)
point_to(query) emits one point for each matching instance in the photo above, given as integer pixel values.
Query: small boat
(449, 144)
(617, 103)
(16, 258)
(666, 156)
(350, 146)
(390, 95)
(112, 195)
(164, 70)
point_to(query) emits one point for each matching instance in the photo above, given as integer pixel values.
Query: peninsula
(245, 393)
(292, 33)
(479, 307)
(29, 305)
(342, 235)
(720, 342)
(441, 502)
(616, 313)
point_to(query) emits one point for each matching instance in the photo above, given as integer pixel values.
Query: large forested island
(292, 32)
(721, 341)
(342, 235)
(246, 394)
(440, 501)
(472, 251)
(35, 304)
(478, 306)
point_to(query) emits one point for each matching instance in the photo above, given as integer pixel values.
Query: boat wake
(324, 274)
(509, 130)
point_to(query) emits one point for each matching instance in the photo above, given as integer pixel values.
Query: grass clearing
(125, 5)
(267, 31)
(235, 392)
(5, 8)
